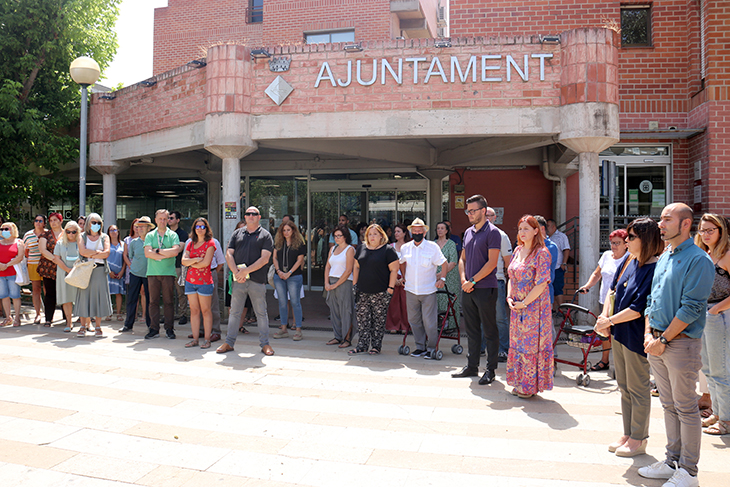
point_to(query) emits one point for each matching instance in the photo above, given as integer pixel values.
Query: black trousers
(49, 298)
(480, 313)
(135, 285)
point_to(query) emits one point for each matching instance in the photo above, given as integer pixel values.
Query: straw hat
(145, 220)
(418, 223)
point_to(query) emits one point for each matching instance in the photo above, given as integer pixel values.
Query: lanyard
(160, 240)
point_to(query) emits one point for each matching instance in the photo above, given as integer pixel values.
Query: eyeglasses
(71, 232)
(200, 227)
(632, 237)
(707, 231)
(471, 212)
(251, 213)
(339, 235)
(113, 230)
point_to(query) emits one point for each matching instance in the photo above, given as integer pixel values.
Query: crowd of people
(664, 298)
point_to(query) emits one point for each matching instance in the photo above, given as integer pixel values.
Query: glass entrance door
(368, 203)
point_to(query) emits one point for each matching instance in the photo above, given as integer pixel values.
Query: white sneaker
(682, 478)
(658, 470)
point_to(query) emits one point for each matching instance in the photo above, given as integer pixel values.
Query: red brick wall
(185, 29)
(500, 188)
(651, 80)
(177, 99)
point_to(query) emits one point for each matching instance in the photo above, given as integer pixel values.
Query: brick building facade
(521, 104)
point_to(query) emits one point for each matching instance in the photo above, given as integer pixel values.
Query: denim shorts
(8, 288)
(201, 289)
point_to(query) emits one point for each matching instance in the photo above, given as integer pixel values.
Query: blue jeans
(8, 288)
(293, 286)
(716, 362)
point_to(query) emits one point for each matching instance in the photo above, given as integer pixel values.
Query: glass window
(327, 37)
(636, 25)
(255, 11)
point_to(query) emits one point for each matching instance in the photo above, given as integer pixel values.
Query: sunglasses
(96, 223)
(339, 236)
(71, 232)
(632, 237)
(250, 213)
(40, 221)
(113, 230)
(200, 227)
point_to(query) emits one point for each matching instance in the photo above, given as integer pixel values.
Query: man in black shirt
(248, 254)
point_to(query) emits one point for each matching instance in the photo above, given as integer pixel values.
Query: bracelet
(391, 287)
(609, 320)
(473, 282)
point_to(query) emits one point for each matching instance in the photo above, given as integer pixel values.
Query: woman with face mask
(94, 301)
(12, 251)
(66, 253)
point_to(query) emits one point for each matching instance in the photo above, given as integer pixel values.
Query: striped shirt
(30, 240)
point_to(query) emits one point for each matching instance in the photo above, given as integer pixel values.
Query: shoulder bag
(612, 293)
(80, 274)
(21, 273)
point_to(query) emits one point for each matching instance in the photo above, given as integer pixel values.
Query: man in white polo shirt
(418, 263)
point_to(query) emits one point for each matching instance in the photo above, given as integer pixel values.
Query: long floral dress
(530, 361)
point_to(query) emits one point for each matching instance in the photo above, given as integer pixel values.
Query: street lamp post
(84, 71)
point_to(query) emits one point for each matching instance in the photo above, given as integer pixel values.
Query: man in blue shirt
(675, 319)
(554, 251)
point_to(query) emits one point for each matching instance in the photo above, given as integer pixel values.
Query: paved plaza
(121, 410)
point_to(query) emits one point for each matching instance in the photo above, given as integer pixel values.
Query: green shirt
(164, 267)
(137, 257)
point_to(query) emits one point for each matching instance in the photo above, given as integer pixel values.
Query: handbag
(183, 275)
(80, 274)
(612, 293)
(21, 273)
(270, 276)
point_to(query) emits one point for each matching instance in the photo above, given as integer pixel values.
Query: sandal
(68, 329)
(205, 344)
(82, 332)
(718, 429)
(37, 320)
(16, 322)
(355, 351)
(712, 419)
(193, 343)
(98, 332)
(281, 334)
(47, 324)
(8, 321)
(120, 317)
(706, 413)
(599, 366)
(242, 329)
(374, 351)
(334, 341)
(344, 344)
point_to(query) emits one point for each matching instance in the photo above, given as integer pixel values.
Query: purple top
(477, 244)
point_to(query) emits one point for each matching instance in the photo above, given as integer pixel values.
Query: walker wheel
(589, 365)
(586, 380)
(400, 350)
(406, 350)
(439, 355)
(579, 379)
(457, 349)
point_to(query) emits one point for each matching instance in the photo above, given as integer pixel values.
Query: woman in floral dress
(530, 361)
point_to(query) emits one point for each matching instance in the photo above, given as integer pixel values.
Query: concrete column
(589, 238)
(231, 192)
(435, 176)
(110, 199)
(214, 178)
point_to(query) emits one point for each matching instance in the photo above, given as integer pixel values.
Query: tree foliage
(39, 102)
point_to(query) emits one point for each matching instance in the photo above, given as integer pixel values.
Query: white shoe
(682, 478)
(658, 470)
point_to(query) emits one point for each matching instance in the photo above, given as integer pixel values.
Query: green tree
(39, 102)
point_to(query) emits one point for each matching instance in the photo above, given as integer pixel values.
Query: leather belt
(657, 333)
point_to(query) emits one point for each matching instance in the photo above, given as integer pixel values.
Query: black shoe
(502, 357)
(125, 329)
(483, 353)
(162, 320)
(488, 377)
(418, 353)
(152, 334)
(466, 372)
(170, 334)
(183, 320)
(430, 355)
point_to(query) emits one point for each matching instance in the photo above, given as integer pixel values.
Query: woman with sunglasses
(607, 265)
(117, 267)
(712, 237)
(632, 284)
(199, 286)
(66, 253)
(33, 254)
(47, 265)
(12, 252)
(94, 301)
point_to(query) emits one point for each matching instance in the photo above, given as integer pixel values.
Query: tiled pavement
(121, 410)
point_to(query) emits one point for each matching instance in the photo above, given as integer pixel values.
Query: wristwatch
(157, 251)
(663, 340)
(443, 279)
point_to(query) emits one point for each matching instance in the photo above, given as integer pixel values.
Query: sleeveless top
(338, 263)
(721, 286)
(97, 246)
